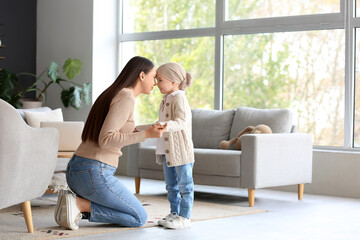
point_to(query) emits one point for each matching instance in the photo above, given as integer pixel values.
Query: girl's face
(165, 85)
(148, 81)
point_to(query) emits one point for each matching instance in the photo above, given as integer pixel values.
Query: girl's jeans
(180, 188)
(110, 200)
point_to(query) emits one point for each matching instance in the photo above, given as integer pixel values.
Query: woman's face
(165, 85)
(149, 82)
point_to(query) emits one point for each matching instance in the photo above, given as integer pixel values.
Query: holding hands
(155, 131)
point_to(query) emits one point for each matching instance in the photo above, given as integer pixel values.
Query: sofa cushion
(210, 127)
(216, 162)
(147, 158)
(279, 120)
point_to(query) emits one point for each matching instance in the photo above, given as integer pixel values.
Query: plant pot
(28, 103)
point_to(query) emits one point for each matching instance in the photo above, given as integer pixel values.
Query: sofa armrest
(270, 160)
(133, 156)
(132, 161)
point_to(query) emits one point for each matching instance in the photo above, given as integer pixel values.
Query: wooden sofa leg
(137, 184)
(26, 207)
(251, 196)
(300, 191)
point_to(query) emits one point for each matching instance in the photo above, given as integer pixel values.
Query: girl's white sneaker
(178, 222)
(169, 217)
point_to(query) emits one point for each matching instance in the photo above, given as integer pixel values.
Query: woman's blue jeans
(180, 188)
(110, 200)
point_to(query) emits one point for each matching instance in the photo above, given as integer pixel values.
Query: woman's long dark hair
(127, 78)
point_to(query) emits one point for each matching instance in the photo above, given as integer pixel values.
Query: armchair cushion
(34, 118)
(41, 109)
(210, 127)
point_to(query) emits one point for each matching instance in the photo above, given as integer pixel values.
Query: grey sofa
(266, 160)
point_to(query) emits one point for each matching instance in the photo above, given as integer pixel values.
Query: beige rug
(12, 223)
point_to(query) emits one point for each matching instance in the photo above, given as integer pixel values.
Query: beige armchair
(27, 160)
(69, 139)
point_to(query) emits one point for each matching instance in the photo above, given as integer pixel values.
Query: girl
(175, 149)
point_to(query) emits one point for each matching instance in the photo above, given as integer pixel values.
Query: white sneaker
(57, 207)
(169, 217)
(178, 222)
(66, 212)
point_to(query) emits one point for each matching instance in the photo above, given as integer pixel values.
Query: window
(276, 8)
(162, 15)
(257, 53)
(196, 55)
(355, 24)
(303, 71)
(357, 92)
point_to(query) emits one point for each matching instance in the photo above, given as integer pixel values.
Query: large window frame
(345, 19)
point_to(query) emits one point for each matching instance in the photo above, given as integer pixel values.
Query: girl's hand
(155, 131)
(160, 126)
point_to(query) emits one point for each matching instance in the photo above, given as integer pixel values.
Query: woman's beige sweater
(116, 132)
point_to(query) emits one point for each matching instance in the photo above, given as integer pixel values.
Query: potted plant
(8, 85)
(72, 94)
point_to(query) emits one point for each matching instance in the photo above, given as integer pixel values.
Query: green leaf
(15, 101)
(8, 86)
(53, 71)
(58, 80)
(86, 93)
(71, 97)
(72, 68)
(75, 100)
(6, 83)
(65, 97)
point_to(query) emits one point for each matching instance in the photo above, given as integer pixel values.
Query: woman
(101, 197)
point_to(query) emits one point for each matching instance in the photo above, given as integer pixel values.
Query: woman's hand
(155, 131)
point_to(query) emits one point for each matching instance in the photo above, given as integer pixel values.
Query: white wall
(105, 50)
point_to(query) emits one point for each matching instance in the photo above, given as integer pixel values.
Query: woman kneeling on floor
(96, 193)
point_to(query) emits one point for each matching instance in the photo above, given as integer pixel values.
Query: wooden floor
(315, 217)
